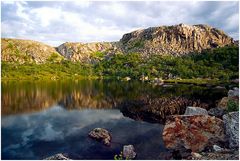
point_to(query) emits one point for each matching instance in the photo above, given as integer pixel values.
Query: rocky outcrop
(22, 51)
(231, 122)
(193, 132)
(195, 111)
(87, 52)
(102, 135)
(174, 40)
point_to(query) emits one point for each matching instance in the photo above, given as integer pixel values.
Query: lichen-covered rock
(223, 103)
(174, 40)
(234, 92)
(126, 79)
(196, 156)
(231, 123)
(195, 111)
(101, 134)
(218, 112)
(217, 148)
(129, 152)
(58, 156)
(193, 132)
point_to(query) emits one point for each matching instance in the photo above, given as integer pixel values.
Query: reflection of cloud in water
(48, 134)
(54, 123)
(25, 136)
(58, 130)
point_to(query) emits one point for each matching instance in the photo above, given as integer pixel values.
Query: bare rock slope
(175, 40)
(87, 52)
(22, 51)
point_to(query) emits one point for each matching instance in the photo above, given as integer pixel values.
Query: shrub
(232, 106)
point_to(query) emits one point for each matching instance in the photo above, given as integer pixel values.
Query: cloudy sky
(60, 21)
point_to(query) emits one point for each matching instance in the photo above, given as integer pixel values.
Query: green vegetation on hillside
(220, 63)
(59, 70)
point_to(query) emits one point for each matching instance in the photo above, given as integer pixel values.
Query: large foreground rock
(101, 134)
(192, 132)
(195, 111)
(231, 123)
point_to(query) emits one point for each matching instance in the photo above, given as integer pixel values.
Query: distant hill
(174, 40)
(17, 50)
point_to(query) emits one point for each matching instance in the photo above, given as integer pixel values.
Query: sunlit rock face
(174, 40)
(157, 109)
(194, 132)
(22, 51)
(87, 52)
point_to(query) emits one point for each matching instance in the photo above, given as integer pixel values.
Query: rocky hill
(87, 52)
(17, 50)
(174, 40)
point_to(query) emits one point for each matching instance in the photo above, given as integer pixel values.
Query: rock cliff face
(164, 40)
(87, 52)
(17, 50)
(175, 40)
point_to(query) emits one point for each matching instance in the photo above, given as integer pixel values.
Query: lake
(42, 118)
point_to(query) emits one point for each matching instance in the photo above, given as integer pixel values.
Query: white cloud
(232, 22)
(86, 21)
(45, 15)
(20, 11)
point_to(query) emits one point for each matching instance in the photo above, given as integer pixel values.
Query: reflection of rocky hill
(24, 97)
(157, 109)
(78, 100)
(22, 101)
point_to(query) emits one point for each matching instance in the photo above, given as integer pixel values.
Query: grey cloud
(73, 20)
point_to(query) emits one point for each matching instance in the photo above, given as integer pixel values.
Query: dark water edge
(40, 119)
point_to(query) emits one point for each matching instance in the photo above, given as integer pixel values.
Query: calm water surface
(40, 119)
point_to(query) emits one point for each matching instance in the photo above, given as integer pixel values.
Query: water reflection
(40, 119)
(27, 97)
